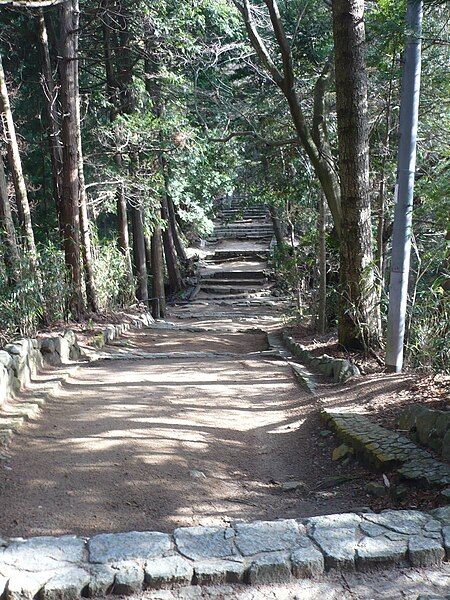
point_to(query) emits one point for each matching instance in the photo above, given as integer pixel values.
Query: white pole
(401, 239)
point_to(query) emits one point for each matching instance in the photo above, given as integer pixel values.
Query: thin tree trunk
(158, 292)
(173, 267)
(86, 243)
(358, 322)
(139, 259)
(322, 162)
(123, 239)
(7, 232)
(15, 165)
(277, 229)
(322, 267)
(56, 154)
(381, 224)
(70, 174)
(179, 247)
(181, 252)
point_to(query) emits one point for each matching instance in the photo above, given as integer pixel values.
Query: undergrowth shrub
(110, 272)
(429, 336)
(34, 300)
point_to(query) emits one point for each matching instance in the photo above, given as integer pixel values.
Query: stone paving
(257, 553)
(386, 449)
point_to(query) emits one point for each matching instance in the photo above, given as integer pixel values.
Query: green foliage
(429, 339)
(33, 301)
(110, 274)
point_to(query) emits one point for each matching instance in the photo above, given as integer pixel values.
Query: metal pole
(401, 239)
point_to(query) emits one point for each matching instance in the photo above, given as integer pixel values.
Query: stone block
(446, 538)
(273, 568)
(67, 584)
(338, 521)
(337, 545)
(218, 572)
(70, 336)
(101, 581)
(23, 585)
(408, 522)
(267, 536)
(445, 452)
(62, 348)
(129, 578)
(442, 514)
(140, 545)
(425, 552)
(42, 553)
(307, 562)
(204, 542)
(5, 359)
(164, 572)
(380, 551)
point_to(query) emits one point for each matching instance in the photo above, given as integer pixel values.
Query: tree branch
(283, 43)
(249, 133)
(258, 43)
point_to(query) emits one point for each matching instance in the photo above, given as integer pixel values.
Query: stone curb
(23, 359)
(339, 369)
(305, 378)
(261, 552)
(386, 450)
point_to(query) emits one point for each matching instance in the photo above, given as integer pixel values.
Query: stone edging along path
(262, 552)
(23, 359)
(386, 449)
(339, 369)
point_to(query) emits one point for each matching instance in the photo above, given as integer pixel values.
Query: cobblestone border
(385, 449)
(262, 552)
(339, 369)
(23, 359)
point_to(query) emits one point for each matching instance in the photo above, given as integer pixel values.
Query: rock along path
(189, 423)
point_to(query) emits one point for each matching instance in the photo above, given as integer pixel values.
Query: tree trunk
(322, 268)
(70, 173)
(179, 247)
(358, 323)
(277, 229)
(139, 259)
(173, 267)
(86, 244)
(56, 153)
(7, 232)
(381, 224)
(15, 164)
(322, 162)
(123, 239)
(159, 306)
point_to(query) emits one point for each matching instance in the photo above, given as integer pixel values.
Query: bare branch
(249, 133)
(283, 43)
(257, 42)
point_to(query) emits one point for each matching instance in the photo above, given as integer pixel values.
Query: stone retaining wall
(21, 360)
(262, 552)
(429, 427)
(338, 369)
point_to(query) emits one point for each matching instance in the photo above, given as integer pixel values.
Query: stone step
(227, 289)
(255, 275)
(262, 231)
(233, 282)
(221, 255)
(242, 236)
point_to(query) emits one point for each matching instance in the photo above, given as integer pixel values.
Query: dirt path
(154, 443)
